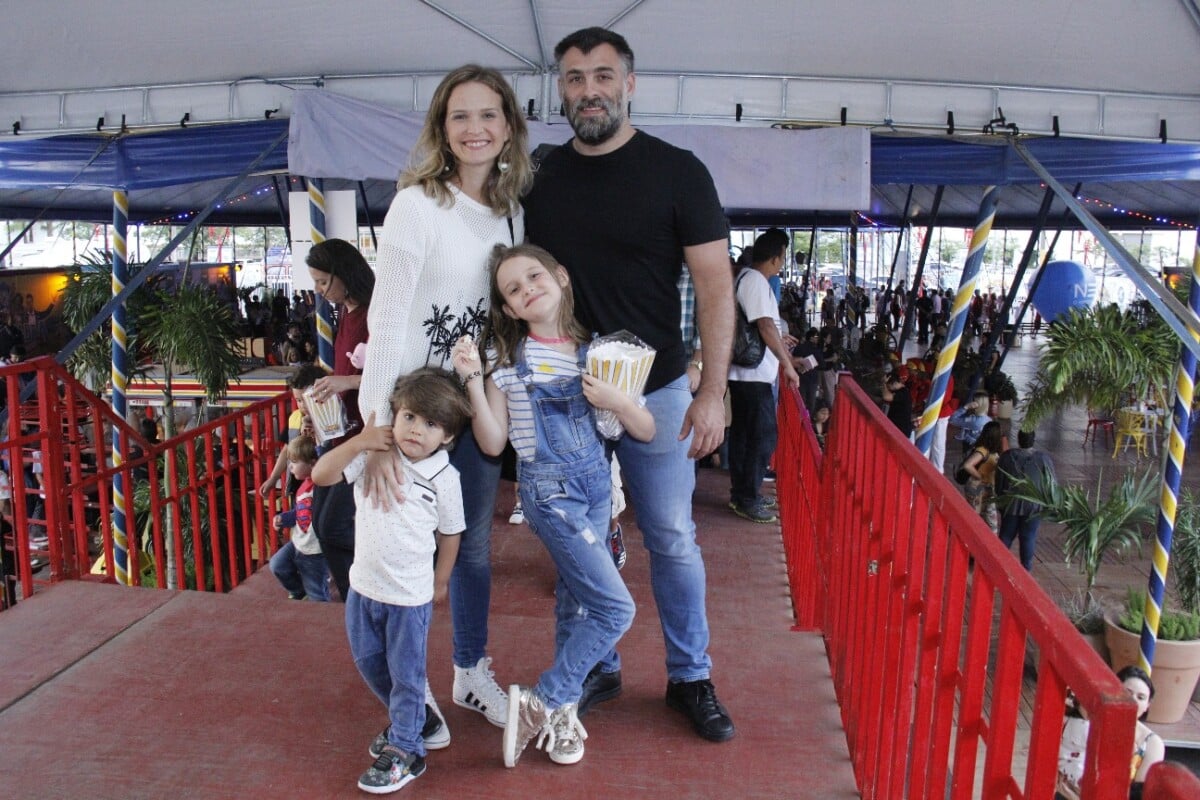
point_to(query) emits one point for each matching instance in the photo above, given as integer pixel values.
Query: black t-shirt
(619, 222)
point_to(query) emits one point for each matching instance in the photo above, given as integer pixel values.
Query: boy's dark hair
(1025, 439)
(436, 395)
(588, 39)
(771, 243)
(306, 376)
(302, 449)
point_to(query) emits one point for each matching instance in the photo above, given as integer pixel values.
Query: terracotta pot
(1176, 670)
(1097, 643)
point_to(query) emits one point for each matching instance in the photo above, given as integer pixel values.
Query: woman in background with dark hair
(1148, 746)
(344, 278)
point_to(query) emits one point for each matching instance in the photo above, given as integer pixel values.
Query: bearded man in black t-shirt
(623, 211)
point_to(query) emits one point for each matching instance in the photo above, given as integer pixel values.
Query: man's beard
(596, 130)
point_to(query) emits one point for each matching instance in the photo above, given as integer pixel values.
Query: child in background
(394, 580)
(298, 424)
(538, 396)
(299, 565)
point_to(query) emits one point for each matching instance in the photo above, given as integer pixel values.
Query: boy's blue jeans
(388, 644)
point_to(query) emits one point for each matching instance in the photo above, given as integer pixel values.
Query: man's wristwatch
(699, 365)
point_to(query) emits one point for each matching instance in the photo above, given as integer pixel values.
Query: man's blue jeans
(388, 644)
(660, 479)
(1025, 528)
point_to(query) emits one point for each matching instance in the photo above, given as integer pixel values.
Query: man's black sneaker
(698, 701)
(598, 687)
(755, 513)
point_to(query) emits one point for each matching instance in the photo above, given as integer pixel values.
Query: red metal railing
(928, 624)
(191, 500)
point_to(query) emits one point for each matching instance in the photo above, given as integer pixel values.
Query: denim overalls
(566, 492)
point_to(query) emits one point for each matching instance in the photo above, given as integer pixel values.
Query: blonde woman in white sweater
(456, 201)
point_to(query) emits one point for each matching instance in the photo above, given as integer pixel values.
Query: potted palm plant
(183, 328)
(1177, 651)
(1176, 654)
(1094, 525)
(1096, 357)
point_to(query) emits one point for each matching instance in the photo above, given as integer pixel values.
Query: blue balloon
(1064, 285)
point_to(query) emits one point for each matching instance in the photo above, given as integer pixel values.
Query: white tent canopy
(1104, 68)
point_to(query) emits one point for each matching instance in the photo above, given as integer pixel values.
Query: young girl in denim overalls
(537, 395)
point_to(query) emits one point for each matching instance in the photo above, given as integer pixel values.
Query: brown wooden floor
(110, 692)
(1062, 437)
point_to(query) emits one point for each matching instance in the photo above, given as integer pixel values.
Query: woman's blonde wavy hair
(431, 163)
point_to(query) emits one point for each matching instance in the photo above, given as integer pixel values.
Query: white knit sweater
(431, 287)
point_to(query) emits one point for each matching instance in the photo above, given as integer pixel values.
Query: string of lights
(182, 217)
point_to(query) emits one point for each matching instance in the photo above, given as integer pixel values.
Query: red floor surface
(108, 692)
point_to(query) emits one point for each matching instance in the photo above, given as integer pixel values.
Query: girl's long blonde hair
(431, 162)
(505, 333)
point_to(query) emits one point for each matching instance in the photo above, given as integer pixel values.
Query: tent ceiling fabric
(1111, 69)
(1104, 67)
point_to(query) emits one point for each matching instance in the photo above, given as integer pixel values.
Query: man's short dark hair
(1025, 439)
(588, 39)
(771, 243)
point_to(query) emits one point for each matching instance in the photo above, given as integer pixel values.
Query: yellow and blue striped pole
(120, 380)
(958, 319)
(1181, 425)
(316, 218)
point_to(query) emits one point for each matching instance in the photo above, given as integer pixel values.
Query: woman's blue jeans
(471, 579)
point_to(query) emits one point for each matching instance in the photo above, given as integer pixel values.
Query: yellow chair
(1131, 426)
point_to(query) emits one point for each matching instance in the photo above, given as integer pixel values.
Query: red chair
(1099, 423)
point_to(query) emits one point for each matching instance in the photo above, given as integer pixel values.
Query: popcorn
(623, 360)
(328, 416)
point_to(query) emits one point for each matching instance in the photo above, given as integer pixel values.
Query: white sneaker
(518, 515)
(476, 688)
(436, 738)
(566, 746)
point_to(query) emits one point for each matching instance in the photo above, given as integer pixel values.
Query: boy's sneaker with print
(568, 732)
(435, 733)
(616, 540)
(476, 688)
(391, 771)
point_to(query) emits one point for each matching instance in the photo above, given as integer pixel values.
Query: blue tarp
(141, 160)
(33, 169)
(933, 161)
